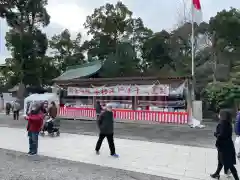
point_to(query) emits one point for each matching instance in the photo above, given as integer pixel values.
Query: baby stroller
(52, 126)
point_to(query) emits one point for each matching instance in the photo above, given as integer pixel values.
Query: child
(35, 122)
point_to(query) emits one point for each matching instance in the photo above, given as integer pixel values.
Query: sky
(156, 14)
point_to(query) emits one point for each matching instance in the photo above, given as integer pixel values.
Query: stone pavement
(160, 133)
(166, 160)
(18, 166)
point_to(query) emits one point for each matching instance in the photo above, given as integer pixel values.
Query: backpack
(17, 106)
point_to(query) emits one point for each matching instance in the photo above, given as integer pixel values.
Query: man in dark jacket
(105, 124)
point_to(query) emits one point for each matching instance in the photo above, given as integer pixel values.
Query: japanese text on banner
(121, 90)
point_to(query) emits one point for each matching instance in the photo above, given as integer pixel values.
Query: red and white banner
(121, 90)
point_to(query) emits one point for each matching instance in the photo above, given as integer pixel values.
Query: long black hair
(42, 108)
(225, 115)
(53, 103)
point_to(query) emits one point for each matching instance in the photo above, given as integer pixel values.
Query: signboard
(121, 90)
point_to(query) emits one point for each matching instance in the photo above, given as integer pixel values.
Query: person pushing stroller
(49, 124)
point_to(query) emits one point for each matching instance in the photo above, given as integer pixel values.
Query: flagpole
(193, 53)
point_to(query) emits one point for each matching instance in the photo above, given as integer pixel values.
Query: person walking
(225, 146)
(8, 108)
(106, 127)
(98, 108)
(35, 122)
(16, 109)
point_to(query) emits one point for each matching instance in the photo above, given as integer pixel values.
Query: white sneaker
(228, 175)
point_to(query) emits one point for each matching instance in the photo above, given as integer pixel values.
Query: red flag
(197, 4)
(197, 11)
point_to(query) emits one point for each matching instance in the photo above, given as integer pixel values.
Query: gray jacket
(16, 106)
(105, 123)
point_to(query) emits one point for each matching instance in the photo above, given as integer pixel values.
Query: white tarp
(194, 123)
(46, 98)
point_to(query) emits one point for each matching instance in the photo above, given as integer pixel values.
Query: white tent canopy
(46, 98)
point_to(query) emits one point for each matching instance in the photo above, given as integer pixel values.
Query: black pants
(7, 111)
(232, 169)
(110, 142)
(15, 115)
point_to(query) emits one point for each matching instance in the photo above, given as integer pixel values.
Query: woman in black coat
(225, 146)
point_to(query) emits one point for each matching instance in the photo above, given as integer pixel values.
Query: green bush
(220, 95)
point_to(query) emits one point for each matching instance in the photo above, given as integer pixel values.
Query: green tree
(66, 52)
(107, 26)
(220, 58)
(219, 75)
(226, 26)
(122, 63)
(155, 52)
(28, 52)
(25, 40)
(48, 70)
(221, 95)
(113, 31)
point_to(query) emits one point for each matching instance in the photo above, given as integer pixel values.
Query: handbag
(237, 144)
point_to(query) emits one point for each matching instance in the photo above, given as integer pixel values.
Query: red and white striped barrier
(125, 114)
(71, 112)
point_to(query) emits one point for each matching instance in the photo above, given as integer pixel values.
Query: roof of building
(123, 80)
(80, 71)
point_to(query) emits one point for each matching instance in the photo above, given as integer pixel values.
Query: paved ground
(18, 166)
(173, 134)
(158, 159)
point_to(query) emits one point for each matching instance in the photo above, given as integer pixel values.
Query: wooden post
(134, 103)
(94, 101)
